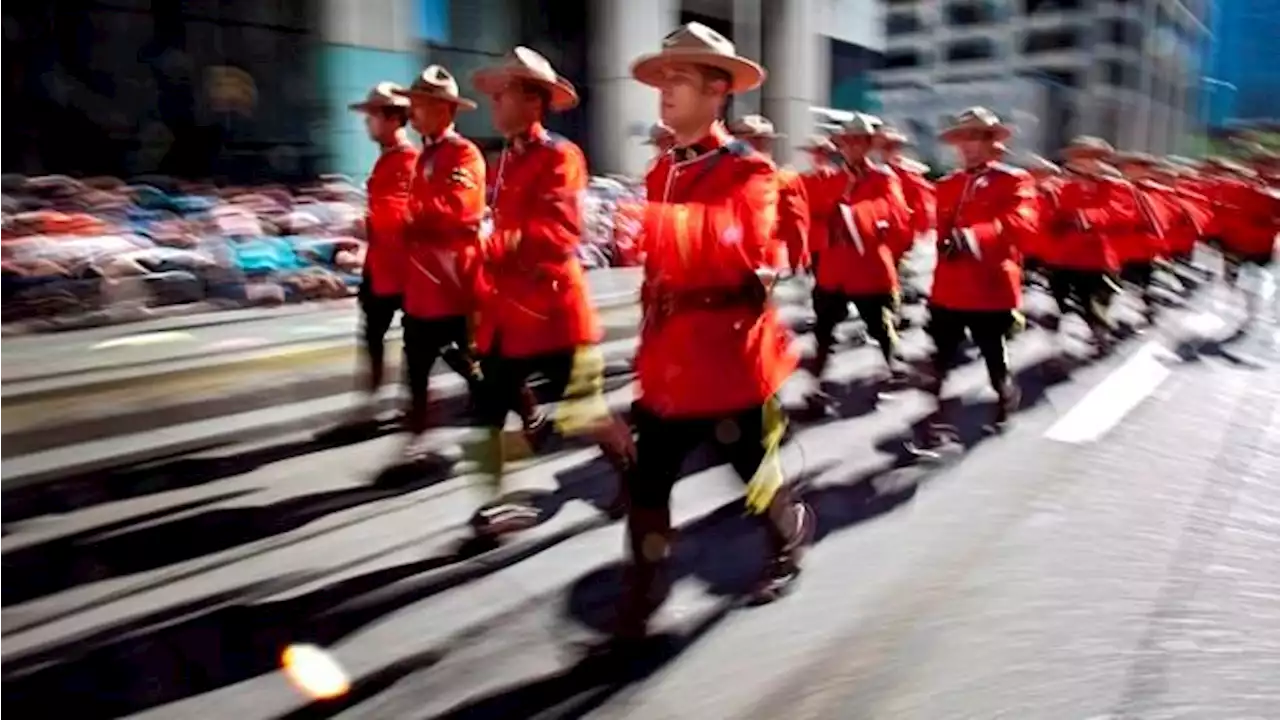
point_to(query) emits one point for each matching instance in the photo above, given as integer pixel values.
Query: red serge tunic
(868, 226)
(995, 208)
(710, 343)
(534, 297)
(388, 193)
(444, 231)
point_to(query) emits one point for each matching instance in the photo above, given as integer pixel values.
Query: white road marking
(156, 338)
(236, 343)
(1113, 398)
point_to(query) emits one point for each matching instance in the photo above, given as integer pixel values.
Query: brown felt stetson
(891, 135)
(696, 44)
(976, 119)
(382, 95)
(753, 126)
(1087, 146)
(436, 83)
(526, 65)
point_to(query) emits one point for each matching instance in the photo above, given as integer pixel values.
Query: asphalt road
(1114, 554)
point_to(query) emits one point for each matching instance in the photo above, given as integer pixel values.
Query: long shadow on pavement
(42, 569)
(81, 491)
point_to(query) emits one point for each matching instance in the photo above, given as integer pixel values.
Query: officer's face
(854, 148)
(761, 144)
(688, 98)
(430, 117)
(514, 109)
(974, 148)
(379, 125)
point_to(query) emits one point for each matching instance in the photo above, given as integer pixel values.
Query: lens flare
(314, 672)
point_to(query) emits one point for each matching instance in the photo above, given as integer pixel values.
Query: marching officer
(986, 213)
(535, 315)
(713, 352)
(1038, 255)
(1191, 215)
(445, 211)
(1248, 219)
(793, 200)
(1145, 242)
(824, 160)
(1094, 207)
(920, 194)
(381, 293)
(868, 226)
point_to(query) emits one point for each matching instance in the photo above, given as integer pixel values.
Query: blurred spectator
(101, 250)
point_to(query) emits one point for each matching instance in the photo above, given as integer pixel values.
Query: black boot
(790, 524)
(645, 583)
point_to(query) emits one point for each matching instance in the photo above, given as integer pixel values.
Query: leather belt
(659, 303)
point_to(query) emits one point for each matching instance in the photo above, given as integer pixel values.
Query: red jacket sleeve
(922, 200)
(793, 219)
(449, 204)
(899, 236)
(757, 204)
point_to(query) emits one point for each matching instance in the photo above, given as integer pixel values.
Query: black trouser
(831, 307)
(506, 389)
(1089, 290)
(424, 341)
(663, 444)
(506, 378)
(1139, 273)
(990, 330)
(378, 312)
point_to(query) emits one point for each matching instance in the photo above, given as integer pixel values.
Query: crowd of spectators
(100, 250)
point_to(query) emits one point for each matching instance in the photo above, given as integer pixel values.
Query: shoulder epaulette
(739, 148)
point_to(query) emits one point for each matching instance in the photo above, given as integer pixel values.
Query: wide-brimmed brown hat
(976, 119)
(1088, 146)
(382, 95)
(860, 125)
(818, 144)
(753, 126)
(1134, 158)
(891, 135)
(436, 83)
(696, 44)
(1039, 163)
(529, 66)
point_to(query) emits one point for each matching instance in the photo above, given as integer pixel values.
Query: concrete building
(799, 41)
(1126, 70)
(252, 91)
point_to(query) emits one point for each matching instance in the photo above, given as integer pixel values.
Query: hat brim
(461, 102)
(744, 75)
(894, 139)
(953, 134)
(493, 80)
(367, 107)
(1086, 153)
(761, 136)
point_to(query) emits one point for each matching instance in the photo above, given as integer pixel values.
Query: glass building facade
(199, 88)
(1243, 83)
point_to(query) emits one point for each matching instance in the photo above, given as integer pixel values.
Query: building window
(1063, 78)
(898, 59)
(1043, 41)
(1034, 7)
(962, 14)
(1121, 74)
(902, 24)
(975, 49)
(1122, 33)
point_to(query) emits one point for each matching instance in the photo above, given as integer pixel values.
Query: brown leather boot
(790, 525)
(645, 584)
(619, 450)
(537, 427)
